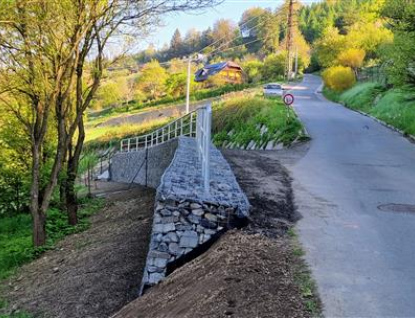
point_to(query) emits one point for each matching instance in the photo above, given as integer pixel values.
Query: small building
(229, 71)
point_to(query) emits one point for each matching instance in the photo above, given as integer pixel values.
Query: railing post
(191, 125)
(207, 132)
(128, 146)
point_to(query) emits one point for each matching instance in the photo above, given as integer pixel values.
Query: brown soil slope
(93, 273)
(243, 275)
(248, 273)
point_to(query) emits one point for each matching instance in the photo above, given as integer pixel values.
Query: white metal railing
(183, 126)
(195, 124)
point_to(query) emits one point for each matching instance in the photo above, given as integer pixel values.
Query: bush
(339, 78)
(274, 66)
(253, 70)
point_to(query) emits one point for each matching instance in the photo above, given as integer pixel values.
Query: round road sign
(288, 99)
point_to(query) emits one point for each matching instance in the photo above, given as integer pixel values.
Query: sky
(229, 9)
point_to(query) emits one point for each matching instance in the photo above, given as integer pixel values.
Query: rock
(270, 145)
(204, 238)
(165, 212)
(198, 212)
(194, 206)
(184, 227)
(184, 204)
(56, 269)
(279, 146)
(172, 237)
(211, 217)
(251, 145)
(159, 206)
(155, 269)
(154, 278)
(175, 249)
(193, 219)
(163, 247)
(208, 224)
(189, 239)
(167, 219)
(176, 213)
(210, 232)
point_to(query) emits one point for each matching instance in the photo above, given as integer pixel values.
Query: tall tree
(45, 49)
(176, 44)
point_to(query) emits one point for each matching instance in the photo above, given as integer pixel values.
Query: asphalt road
(362, 254)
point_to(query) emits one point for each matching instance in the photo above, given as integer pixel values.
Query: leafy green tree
(152, 80)
(399, 56)
(253, 70)
(176, 44)
(329, 46)
(274, 66)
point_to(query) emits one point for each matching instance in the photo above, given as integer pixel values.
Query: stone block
(193, 219)
(208, 224)
(165, 212)
(198, 212)
(154, 278)
(189, 239)
(211, 217)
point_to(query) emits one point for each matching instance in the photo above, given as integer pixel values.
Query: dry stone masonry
(185, 217)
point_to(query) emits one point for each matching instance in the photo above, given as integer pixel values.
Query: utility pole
(296, 63)
(289, 44)
(188, 85)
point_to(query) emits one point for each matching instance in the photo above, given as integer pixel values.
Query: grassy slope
(395, 106)
(16, 235)
(242, 115)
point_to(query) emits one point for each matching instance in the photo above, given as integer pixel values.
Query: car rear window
(273, 86)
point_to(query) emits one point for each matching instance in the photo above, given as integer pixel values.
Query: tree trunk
(39, 229)
(72, 171)
(38, 216)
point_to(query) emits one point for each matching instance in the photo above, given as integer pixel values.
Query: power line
(258, 24)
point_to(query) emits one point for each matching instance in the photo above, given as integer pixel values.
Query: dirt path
(254, 272)
(93, 273)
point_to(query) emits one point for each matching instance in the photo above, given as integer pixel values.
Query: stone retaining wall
(185, 217)
(125, 165)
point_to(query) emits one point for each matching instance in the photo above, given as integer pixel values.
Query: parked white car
(273, 89)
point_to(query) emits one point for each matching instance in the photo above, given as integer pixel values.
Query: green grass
(331, 95)
(361, 97)
(104, 137)
(134, 107)
(243, 114)
(16, 235)
(395, 106)
(304, 279)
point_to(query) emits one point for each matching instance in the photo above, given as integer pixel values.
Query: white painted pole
(188, 85)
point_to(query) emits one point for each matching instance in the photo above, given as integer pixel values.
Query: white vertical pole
(207, 149)
(188, 86)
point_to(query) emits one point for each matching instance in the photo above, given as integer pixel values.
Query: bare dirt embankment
(254, 272)
(93, 273)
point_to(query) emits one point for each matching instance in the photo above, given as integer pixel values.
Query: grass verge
(304, 279)
(16, 246)
(238, 119)
(395, 106)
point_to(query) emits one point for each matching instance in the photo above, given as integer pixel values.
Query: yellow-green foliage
(339, 78)
(242, 115)
(102, 136)
(352, 57)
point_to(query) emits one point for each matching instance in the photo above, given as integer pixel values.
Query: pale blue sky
(229, 9)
